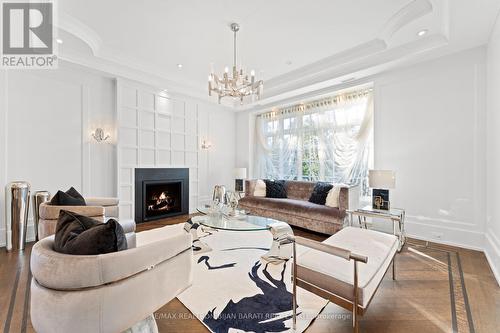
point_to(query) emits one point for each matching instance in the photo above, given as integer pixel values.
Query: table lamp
(240, 174)
(381, 181)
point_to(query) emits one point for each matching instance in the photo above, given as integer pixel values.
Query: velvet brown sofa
(296, 209)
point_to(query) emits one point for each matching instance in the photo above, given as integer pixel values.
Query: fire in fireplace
(162, 198)
(161, 193)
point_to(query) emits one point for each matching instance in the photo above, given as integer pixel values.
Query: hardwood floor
(438, 289)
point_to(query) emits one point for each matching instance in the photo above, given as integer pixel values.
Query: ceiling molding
(404, 16)
(75, 27)
(344, 57)
(133, 68)
(332, 77)
(360, 63)
(120, 71)
(388, 47)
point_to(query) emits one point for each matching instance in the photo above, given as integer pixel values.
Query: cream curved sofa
(107, 293)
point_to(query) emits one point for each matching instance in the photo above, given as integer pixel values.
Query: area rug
(233, 290)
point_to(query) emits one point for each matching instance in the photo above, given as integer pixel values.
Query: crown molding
(75, 27)
(361, 57)
(405, 15)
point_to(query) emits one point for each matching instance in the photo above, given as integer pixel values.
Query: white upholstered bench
(330, 269)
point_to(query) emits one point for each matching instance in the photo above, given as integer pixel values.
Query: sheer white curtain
(328, 140)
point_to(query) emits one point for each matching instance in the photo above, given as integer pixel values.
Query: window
(328, 140)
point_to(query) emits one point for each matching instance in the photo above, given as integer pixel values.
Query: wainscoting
(161, 130)
(155, 130)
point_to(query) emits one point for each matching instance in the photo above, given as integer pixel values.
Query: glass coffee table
(244, 223)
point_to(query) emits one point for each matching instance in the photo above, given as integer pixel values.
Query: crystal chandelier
(239, 85)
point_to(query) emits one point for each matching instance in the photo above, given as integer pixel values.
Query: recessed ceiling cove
(293, 44)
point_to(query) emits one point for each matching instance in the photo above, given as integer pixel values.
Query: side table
(395, 215)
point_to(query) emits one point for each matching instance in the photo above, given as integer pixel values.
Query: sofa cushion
(69, 198)
(102, 201)
(50, 212)
(336, 274)
(333, 197)
(320, 192)
(81, 235)
(301, 208)
(260, 188)
(275, 188)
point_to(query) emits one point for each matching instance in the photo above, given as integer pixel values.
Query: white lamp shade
(240, 173)
(382, 179)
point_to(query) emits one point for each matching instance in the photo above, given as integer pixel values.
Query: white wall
(49, 115)
(492, 245)
(430, 128)
(245, 123)
(45, 123)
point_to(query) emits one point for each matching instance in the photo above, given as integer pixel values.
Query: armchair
(109, 292)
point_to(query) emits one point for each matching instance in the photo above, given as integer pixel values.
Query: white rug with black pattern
(234, 291)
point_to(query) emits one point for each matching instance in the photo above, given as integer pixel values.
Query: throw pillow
(260, 189)
(320, 192)
(81, 235)
(275, 188)
(69, 198)
(332, 199)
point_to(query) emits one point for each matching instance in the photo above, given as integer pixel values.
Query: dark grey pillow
(275, 188)
(69, 198)
(82, 235)
(320, 192)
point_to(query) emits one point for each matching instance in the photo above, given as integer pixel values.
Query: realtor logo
(28, 35)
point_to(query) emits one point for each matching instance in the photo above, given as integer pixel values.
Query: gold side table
(395, 215)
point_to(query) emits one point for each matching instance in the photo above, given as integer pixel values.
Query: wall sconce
(205, 144)
(99, 135)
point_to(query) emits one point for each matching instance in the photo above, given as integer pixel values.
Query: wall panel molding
(86, 158)
(492, 252)
(155, 129)
(3, 149)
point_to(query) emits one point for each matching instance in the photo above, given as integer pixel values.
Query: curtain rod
(327, 101)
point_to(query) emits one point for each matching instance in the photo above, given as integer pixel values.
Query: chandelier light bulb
(226, 69)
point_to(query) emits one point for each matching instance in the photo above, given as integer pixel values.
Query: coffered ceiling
(293, 45)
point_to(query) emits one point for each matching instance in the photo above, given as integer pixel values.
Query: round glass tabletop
(240, 222)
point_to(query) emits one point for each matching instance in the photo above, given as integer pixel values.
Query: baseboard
(447, 235)
(443, 242)
(492, 252)
(30, 235)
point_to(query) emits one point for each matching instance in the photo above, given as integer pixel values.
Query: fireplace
(161, 193)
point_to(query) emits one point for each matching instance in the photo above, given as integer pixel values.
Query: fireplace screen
(162, 199)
